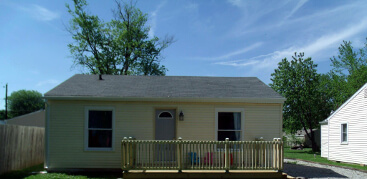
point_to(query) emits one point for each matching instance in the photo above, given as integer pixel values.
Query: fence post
(226, 154)
(179, 154)
(274, 153)
(281, 153)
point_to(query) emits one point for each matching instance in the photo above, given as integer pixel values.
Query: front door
(165, 124)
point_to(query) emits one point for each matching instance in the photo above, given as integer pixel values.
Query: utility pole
(6, 101)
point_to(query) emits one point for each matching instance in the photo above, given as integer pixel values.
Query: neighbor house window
(344, 133)
(99, 128)
(229, 125)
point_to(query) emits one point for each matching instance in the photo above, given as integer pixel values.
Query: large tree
(120, 47)
(24, 102)
(306, 104)
(349, 73)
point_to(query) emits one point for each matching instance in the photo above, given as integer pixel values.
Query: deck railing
(201, 155)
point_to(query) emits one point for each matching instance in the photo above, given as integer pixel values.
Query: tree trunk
(315, 148)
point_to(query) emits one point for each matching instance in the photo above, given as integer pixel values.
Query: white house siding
(67, 120)
(324, 140)
(355, 114)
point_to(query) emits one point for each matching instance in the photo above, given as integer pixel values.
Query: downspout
(47, 126)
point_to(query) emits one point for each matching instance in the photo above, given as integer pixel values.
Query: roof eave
(168, 99)
(324, 122)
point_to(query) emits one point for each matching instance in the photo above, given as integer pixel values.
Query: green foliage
(2, 114)
(349, 73)
(119, 47)
(24, 102)
(306, 104)
(296, 140)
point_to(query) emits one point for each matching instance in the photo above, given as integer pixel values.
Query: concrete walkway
(304, 169)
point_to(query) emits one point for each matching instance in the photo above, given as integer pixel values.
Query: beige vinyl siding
(354, 114)
(136, 119)
(324, 141)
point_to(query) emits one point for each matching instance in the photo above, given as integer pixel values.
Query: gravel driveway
(312, 170)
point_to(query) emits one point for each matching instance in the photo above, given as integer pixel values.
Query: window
(99, 128)
(229, 124)
(344, 133)
(165, 114)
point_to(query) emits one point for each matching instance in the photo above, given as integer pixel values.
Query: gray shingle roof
(163, 87)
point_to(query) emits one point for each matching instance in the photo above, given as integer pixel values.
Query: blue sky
(214, 38)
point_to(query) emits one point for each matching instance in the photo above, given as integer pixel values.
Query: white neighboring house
(344, 133)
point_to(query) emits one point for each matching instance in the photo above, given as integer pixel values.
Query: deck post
(123, 153)
(179, 154)
(132, 154)
(226, 154)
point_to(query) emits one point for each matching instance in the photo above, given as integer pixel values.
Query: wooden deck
(202, 159)
(203, 174)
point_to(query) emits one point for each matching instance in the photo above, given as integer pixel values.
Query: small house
(344, 132)
(36, 119)
(88, 116)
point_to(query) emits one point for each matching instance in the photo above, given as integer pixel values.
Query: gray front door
(165, 124)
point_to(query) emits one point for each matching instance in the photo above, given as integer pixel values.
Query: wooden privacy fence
(20, 147)
(201, 155)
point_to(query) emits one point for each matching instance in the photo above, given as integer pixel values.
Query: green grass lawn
(33, 173)
(308, 155)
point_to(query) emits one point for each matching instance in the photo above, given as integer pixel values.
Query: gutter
(169, 99)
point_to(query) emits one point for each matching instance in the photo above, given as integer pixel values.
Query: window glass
(344, 133)
(100, 138)
(165, 115)
(100, 119)
(232, 135)
(229, 120)
(100, 128)
(229, 126)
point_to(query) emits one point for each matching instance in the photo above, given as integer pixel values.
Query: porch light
(181, 116)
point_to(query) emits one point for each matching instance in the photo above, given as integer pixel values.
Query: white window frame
(86, 129)
(241, 110)
(341, 133)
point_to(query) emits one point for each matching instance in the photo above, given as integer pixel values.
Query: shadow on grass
(34, 173)
(310, 172)
(23, 173)
(304, 151)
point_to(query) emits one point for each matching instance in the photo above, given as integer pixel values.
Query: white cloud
(232, 54)
(239, 63)
(47, 82)
(153, 21)
(295, 9)
(39, 12)
(325, 42)
(237, 3)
